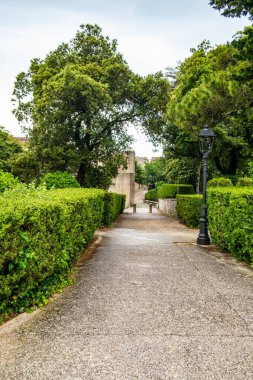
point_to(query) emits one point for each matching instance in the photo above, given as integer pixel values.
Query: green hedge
(171, 190)
(151, 195)
(230, 220)
(42, 234)
(220, 182)
(114, 205)
(245, 182)
(7, 181)
(188, 209)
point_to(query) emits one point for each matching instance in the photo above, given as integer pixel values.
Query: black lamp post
(207, 137)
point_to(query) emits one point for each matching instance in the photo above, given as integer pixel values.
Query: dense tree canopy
(155, 171)
(234, 8)
(77, 102)
(214, 87)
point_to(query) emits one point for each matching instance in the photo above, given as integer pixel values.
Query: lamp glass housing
(207, 137)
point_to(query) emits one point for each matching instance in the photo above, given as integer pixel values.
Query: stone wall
(168, 206)
(124, 183)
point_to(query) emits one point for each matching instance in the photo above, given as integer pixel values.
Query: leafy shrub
(245, 182)
(234, 178)
(114, 205)
(188, 209)
(42, 236)
(59, 180)
(220, 182)
(160, 183)
(230, 213)
(171, 190)
(7, 181)
(250, 169)
(151, 195)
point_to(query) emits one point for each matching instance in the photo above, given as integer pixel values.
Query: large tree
(234, 8)
(155, 171)
(214, 88)
(77, 103)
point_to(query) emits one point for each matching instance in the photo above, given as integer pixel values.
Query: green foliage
(43, 234)
(114, 205)
(250, 169)
(245, 182)
(7, 181)
(233, 178)
(59, 180)
(230, 213)
(151, 195)
(214, 87)
(188, 209)
(183, 170)
(9, 146)
(160, 183)
(169, 190)
(220, 182)
(139, 173)
(155, 171)
(234, 8)
(80, 100)
(25, 166)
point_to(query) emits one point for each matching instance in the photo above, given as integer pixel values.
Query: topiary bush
(171, 190)
(230, 221)
(7, 181)
(245, 182)
(43, 234)
(59, 180)
(151, 195)
(219, 182)
(188, 209)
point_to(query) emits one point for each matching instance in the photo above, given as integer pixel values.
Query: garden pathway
(148, 304)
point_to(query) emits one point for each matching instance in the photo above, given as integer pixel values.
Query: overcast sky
(151, 34)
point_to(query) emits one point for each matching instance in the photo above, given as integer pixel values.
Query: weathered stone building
(124, 183)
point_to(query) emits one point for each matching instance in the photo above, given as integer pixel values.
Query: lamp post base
(203, 240)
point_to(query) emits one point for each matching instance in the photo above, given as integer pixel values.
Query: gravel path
(148, 304)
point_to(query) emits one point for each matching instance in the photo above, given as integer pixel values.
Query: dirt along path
(149, 304)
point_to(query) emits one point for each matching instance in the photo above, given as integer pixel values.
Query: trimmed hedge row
(151, 195)
(230, 220)
(169, 190)
(114, 205)
(42, 234)
(188, 209)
